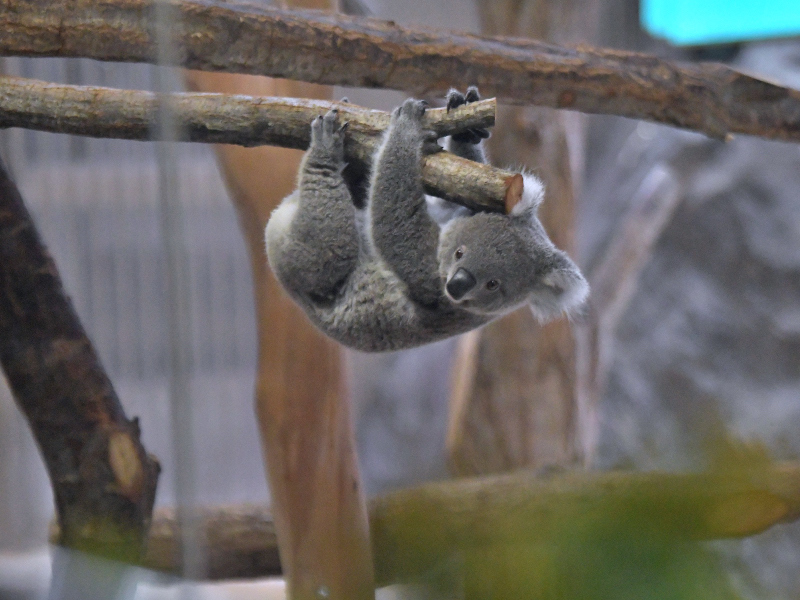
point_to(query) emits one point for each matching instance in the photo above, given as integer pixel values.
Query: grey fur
(377, 281)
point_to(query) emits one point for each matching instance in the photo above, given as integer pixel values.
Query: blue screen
(697, 22)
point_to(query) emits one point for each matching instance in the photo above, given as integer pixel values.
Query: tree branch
(249, 121)
(335, 49)
(241, 542)
(103, 480)
(416, 528)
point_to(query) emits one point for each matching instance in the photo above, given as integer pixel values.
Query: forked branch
(104, 482)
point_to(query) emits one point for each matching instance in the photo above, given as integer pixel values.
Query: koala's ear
(532, 196)
(563, 289)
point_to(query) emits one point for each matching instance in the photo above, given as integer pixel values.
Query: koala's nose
(460, 283)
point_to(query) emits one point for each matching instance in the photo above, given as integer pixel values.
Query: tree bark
(250, 121)
(103, 481)
(335, 49)
(302, 402)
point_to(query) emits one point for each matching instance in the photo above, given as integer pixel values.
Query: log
(103, 480)
(255, 120)
(415, 528)
(362, 52)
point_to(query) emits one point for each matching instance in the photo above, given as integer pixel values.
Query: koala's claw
(456, 99)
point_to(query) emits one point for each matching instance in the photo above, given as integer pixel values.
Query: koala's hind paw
(326, 134)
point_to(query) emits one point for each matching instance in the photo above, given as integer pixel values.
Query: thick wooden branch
(335, 49)
(103, 480)
(414, 529)
(250, 121)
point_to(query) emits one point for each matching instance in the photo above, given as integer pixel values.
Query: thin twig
(356, 51)
(249, 121)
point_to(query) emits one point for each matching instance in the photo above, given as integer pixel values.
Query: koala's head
(492, 263)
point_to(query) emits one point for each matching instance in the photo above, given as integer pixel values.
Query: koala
(407, 269)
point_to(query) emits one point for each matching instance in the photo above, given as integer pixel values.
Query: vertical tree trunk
(104, 482)
(302, 405)
(514, 399)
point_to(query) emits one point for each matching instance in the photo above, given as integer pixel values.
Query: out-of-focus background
(708, 349)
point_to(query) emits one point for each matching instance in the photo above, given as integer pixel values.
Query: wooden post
(514, 396)
(302, 405)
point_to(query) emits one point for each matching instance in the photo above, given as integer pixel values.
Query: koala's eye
(492, 285)
(459, 252)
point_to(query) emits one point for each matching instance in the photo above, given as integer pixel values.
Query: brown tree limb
(241, 542)
(250, 121)
(415, 528)
(335, 49)
(103, 480)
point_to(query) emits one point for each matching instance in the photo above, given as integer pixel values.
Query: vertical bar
(178, 295)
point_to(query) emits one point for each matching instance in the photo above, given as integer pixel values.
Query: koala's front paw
(407, 120)
(456, 99)
(327, 135)
(410, 111)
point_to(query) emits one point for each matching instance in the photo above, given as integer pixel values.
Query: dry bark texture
(103, 480)
(251, 121)
(415, 528)
(302, 403)
(334, 49)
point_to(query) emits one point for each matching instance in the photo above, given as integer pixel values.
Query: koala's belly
(375, 314)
